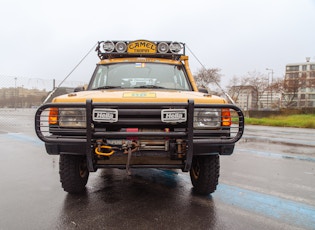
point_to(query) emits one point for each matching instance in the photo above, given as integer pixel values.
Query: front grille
(139, 117)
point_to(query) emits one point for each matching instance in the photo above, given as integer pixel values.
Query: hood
(140, 95)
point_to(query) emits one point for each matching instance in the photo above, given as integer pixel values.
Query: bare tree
(236, 86)
(257, 80)
(277, 85)
(209, 78)
(292, 85)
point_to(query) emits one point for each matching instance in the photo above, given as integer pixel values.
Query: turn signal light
(53, 116)
(226, 117)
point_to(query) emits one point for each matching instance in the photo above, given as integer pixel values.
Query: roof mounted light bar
(140, 48)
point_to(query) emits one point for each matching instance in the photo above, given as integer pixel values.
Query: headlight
(207, 118)
(72, 117)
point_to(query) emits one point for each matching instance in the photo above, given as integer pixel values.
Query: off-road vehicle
(141, 109)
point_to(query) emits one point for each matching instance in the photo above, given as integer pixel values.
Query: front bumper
(146, 116)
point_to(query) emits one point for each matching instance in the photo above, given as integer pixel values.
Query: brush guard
(83, 140)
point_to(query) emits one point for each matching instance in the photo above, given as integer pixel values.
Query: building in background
(296, 91)
(299, 85)
(270, 100)
(245, 96)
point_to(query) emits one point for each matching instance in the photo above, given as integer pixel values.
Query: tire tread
(69, 171)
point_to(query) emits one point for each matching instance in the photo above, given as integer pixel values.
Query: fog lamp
(108, 46)
(163, 47)
(175, 47)
(121, 47)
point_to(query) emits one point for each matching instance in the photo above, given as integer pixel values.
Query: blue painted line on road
(24, 138)
(277, 155)
(287, 211)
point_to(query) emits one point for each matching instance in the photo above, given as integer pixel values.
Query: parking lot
(268, 183)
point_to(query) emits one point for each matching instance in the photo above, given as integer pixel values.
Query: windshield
(140, 75)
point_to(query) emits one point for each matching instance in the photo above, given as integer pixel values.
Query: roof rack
(140, 48)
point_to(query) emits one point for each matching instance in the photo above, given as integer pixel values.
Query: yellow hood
(140, 95)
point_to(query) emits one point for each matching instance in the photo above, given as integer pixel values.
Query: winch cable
(225, 93)
(128, 162)
(54, 90)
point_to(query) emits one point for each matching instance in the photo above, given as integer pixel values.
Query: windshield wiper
(108, 87)
(150, 87)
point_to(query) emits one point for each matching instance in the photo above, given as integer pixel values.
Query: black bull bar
(87, 136)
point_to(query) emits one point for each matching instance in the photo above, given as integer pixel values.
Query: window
(304, 67)
(312, 67)
(292, 75)
(292, 68)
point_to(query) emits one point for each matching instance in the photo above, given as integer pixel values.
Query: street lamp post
(270, 88)
(15, 94)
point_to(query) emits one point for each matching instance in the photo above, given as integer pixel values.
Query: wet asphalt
(268, 183)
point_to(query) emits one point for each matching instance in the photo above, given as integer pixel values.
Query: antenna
(54, 90)
(225, 93)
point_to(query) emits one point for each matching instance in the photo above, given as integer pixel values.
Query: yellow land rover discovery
(141, 109)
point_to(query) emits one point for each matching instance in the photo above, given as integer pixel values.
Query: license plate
(173, 115)
(114, 142)
(105, 115)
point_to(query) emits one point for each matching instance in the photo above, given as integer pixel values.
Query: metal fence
(24, 92)
(16, 120)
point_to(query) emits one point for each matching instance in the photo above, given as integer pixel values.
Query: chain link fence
(20, 96)
(22, 92)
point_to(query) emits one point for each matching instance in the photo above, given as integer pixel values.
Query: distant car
(141, 109)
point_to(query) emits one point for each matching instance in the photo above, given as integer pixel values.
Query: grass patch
(298, 120)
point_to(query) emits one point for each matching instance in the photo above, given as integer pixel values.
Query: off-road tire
(73, 173)
(204, 174)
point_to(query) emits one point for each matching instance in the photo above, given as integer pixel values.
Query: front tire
(73, 173)
(204, 173)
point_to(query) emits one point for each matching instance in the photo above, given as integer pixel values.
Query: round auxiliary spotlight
(163, 47)
(175, 47)
(121, 47)
(108, 46)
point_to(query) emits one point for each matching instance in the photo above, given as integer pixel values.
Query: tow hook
(108, 149)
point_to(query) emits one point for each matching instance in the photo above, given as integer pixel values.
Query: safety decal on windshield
(140, 65)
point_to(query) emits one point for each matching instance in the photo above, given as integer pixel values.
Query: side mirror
(78, 89)
(203, 90)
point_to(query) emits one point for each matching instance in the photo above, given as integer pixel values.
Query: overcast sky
(46, 39)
